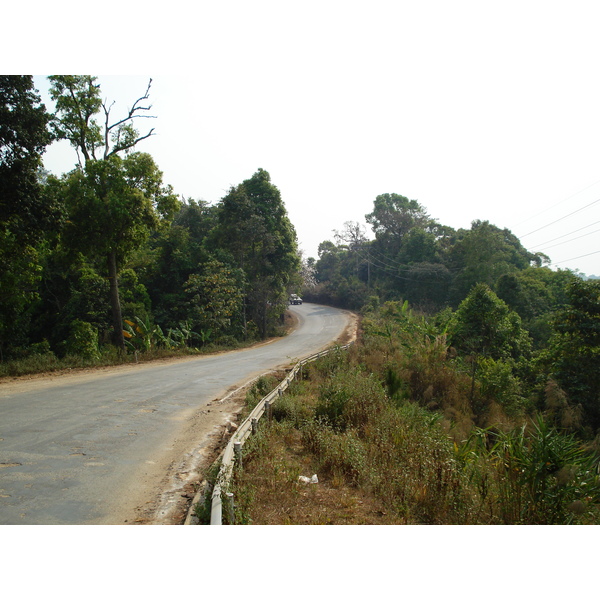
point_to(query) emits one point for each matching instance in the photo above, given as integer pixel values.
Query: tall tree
(483, 254)
(353, 237)
(113, 202)
(575, 349)
(78, 104)
(24, 135)
(393, 216)
(26, 213)
(484, 325)
(253, 225)
(112, 205)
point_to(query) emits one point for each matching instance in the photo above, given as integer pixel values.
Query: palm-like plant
(542, 476)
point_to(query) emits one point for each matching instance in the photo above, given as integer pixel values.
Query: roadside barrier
(233, 450)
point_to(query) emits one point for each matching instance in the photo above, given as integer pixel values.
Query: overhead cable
(555, 205)
(576, 258)
(565, 235)
(562, 218)
(571, 240)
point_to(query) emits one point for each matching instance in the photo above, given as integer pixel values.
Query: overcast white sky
(478, 110)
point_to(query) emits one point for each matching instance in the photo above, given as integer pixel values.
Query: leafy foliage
(26, 213)
(574, 351)
(540, 476)
(264, 246)
(215, 297)
(109, 245)
(484, 325)
(83, 340)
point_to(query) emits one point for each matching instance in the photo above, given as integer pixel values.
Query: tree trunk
(115, 305)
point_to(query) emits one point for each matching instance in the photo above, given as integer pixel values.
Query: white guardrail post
(233, 450)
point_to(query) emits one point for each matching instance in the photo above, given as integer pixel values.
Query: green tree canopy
(575, 349)
(26, 213)
(78, 104)
(214, 297)
(112, 206)
(252, 224)
(393, 216)
(484, 325)
(483, 254)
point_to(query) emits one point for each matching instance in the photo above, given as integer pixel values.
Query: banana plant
(205, 335)
(141, 335)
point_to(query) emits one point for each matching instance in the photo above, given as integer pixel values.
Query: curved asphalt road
(67, 449)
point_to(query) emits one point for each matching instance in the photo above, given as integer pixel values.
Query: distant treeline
(528, 335)
(433, 266)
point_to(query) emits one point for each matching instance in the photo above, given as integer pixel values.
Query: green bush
(289, 407)
(499, 383)
(337, 454)
(259, 389)
(540, 476)
(349, 399)
(83, 340)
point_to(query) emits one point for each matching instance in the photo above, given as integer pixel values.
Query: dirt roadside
(162, 495)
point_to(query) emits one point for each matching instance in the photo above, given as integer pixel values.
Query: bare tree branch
(106, 127)
(133, 114)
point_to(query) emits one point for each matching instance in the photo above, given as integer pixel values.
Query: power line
(565, 235)
(560, 202)
(395, 264)
(383, 266)
(393, 271)
(562, 218)
(572, 240)
(576, 258)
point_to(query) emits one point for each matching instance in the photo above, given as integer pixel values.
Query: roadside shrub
(259, 389)
(342, 456)
(292, 408)
(350, 399)
(498, 383)
(535, 476)
(40, 348)
(433, 380)
(83, 340)
(328, 365)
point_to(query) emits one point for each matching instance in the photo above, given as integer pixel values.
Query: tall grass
(394, 420)
(534, 475)
(355, 437)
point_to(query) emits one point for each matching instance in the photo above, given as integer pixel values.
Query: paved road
(67, 449)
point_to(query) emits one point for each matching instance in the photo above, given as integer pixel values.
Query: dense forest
(527, 335)
(106, 262)
(472, 395)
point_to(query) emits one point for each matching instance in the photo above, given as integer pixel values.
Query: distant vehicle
(295, 299)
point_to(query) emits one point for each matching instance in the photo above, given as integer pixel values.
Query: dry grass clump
(268, 490)
(392, 464)
(399, 431)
